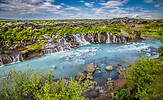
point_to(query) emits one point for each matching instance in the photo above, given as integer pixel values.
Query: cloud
(98, 11)
(148, 1)
(125, 1)
(118, 11)
(112, 4)
(81, 1)
(89, 4)
(72, 8)
(157, 5)
(21, 7)
(49, 5)
(62, 4)
(50, 0)
(132, 8)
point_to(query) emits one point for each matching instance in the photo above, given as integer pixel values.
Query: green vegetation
(28, 36)
(119, 95)
(18, 37)
(145, 78)
(35, 47)
(149, 30)
(160, 50)
(17, 84)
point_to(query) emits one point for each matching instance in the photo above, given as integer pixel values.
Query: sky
(80, 9)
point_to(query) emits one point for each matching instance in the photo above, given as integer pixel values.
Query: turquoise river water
(69, 63)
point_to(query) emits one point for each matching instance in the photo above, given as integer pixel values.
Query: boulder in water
(109, 68)
(119, 64)
(80, 76)
(90, 68)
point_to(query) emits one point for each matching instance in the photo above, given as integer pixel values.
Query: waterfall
(108, 38)
(124, 39)
(61, 48)
(50, 51)
(15, 58)
(91, 37)
(1, 62)
(99, 38)
(8, 58)
(114, 37)
(83, 39)
(80, 39)
(120, 40)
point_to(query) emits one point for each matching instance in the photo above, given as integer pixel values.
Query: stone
(109, 79)
(92, 94)
(119, 64)
(80, 76)
(90, 68)
(90, 77)
(109, 68)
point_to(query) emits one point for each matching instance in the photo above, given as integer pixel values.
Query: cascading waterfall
(124, 40)
(15, 58)
(8, 58)
(120, 40)
(66, 43)
(60, 48)
(83, 39)
(108, 38)
(1, 62)
(114, 37)
(99, 38)
(91, 37)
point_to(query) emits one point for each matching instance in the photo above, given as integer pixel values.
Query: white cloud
(50, 0)
(132, 8)
(148, 1)
(62, 4)
(112, 4)
(47, 4)
(72, 8)
(118, 11)
(81, 1)
(20, 7)
(98, 11)
(89, 4)
(125, 1)
(157, 5)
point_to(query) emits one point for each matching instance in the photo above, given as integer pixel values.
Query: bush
(160, 50)
(119, 95)
(141, 75)
(17, 83)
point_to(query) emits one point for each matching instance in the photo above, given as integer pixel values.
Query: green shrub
(17, 83)
(119, 95)
(160, 50)
(141, 75)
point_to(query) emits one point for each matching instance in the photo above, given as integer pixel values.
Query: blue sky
(80, 9)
